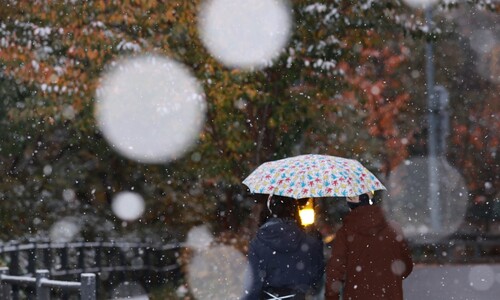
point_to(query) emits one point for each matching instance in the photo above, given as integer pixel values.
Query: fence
(43, 285)
(458, 249)
(90, 257)
(151, 263)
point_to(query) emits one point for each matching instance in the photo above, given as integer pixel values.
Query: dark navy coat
(282, 255)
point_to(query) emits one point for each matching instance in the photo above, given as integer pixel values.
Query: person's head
(283, 207)
(361, 200)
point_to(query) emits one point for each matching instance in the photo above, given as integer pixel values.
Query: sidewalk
(456, 282)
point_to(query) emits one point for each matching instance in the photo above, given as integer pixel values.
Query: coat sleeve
(404, 250)
(407, 259)
(318, 274)
(254, 280)
(336, 267)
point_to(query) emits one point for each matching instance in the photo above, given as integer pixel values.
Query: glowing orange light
(306, 213)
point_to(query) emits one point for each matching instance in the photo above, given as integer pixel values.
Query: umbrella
(312, 176)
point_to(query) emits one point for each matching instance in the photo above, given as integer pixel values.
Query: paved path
(454, 282)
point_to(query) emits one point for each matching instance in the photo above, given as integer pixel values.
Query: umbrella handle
(269, 203)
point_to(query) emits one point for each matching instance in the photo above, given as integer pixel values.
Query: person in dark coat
(284, 259)
(370, 257)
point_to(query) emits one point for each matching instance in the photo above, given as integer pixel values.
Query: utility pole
(441, 97)
(433, 200)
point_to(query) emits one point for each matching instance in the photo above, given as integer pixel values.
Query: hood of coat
(281, 235)
(366, 220)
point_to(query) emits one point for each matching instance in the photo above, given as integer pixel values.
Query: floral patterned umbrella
(312, 175)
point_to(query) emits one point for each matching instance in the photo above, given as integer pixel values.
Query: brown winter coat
(370, 258)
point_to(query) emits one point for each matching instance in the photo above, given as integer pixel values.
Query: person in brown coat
(370, 257)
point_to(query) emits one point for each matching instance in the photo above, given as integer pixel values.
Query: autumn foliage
(340, 87)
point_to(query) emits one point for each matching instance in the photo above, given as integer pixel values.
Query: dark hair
(284, 208)
(364, 199)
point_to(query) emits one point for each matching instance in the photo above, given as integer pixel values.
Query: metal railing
(88, 257)
(458, 249)
(43, 285)
(153, 263)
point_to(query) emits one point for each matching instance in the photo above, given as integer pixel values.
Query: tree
(338, 88)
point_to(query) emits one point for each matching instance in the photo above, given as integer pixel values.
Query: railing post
(5, 289)
(123, 263)
(42, 293)
(14, 261)
(81, 257)
(15, 269)
(64, 258)
(160, 258)
(98, 256)
(88, 288)
(47, 256)
(32, 258)
(147, 263)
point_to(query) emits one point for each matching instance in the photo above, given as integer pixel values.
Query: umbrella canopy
(311, 176)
